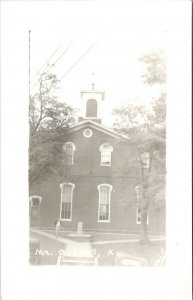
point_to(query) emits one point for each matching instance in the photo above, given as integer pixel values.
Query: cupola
(92, 100)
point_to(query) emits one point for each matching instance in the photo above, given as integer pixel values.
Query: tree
(155, 67)
(48, 121)
(147, 128)
(153, 183)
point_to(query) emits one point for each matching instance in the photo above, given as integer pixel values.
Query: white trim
(105, 184)
(106, 144)
(69, 143)
(99, 127)
(90, 134)
(34, 196)
(94, 127)
(92, 118)
(73, 147)
(61, 198)
(102, 92)
(110, 190)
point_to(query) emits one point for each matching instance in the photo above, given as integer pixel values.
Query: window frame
(110, 154)
(90, 134)
(145, 160)
(137, 215)
(73, 148)
(31, 201)
(109, 202)
(72, 191)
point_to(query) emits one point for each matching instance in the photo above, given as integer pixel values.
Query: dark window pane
(66, 211)
(35, 201)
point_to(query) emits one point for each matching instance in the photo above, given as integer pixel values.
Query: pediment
(101, 128)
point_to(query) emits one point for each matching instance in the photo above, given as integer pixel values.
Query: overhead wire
(78, 60)
(56, 61)
(47, 61)
(72, 42)
(48, 65)
(81, 57)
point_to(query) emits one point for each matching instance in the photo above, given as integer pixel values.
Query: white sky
(127, 33)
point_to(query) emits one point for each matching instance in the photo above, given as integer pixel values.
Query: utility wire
(82, 56)
(49, 66)
(47, 61)
(72, 42)
(78, 60)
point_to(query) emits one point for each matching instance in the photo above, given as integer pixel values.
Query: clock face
(87, 133)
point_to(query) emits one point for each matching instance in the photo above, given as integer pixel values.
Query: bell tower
(92, 100)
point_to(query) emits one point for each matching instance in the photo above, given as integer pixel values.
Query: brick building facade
(100, 180)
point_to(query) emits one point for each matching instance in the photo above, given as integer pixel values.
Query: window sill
(103, 221)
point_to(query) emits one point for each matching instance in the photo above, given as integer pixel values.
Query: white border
(172, 282)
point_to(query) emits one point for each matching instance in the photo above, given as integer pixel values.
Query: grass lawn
(108, 250)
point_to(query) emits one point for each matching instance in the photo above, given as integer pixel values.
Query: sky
(123, 34)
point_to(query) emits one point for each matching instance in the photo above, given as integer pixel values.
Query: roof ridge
(104, 127)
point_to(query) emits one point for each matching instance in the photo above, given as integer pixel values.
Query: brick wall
(87, 174)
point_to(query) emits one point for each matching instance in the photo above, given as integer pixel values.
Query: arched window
(106, 150)
(69, 149)
(35, 201)
(66, 201)
(91, 108)
(104, 202)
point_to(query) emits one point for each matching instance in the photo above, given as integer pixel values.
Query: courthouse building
(99, 186)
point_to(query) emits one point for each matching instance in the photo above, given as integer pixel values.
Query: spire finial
(93, 84)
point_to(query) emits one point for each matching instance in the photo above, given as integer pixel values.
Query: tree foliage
(147, 129)
(48, 121)
(155, 67)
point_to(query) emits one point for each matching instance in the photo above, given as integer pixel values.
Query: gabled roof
(97, 126)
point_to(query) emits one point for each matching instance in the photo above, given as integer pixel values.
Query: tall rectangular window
(106, 150)
(104, 202)
(106, 159)
(66, 201)
(69, 149)
(145, 159)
